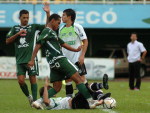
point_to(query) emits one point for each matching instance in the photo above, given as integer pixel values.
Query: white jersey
(59, 103)
(134, 51)
(73, 36)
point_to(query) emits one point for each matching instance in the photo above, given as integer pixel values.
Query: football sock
(83, 90)
(96, 86)
(51, 92)
(34, 91)
(69, 89)
(24, 89)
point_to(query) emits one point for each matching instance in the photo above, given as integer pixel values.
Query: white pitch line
(109, 111)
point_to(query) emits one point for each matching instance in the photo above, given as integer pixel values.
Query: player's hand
(30, 64)
(46, 81)
(81, 60)
(22, 32)
(46, 7)
(79, 48)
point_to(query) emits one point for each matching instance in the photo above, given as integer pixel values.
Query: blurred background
(108, 25)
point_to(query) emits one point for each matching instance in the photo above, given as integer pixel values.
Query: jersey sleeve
(43, 37)
(60, 41)
(40, 27)
(142, 48)
(10, 33)
(80, 31)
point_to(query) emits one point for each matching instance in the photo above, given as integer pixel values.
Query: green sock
(34, 91)
(24, 89)
(51, 92)
(83, 90)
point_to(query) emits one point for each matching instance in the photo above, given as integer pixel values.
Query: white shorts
(59, 103)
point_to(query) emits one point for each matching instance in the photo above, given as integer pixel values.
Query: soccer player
(60, 66)
(77, 102)
(24, 37)
(74, 35)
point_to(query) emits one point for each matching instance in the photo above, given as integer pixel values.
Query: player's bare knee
(21, 82)
(57, 86)
(32, 79)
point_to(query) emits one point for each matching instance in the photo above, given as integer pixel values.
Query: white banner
(96, 68)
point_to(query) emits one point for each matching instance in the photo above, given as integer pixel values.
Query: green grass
(12, 99)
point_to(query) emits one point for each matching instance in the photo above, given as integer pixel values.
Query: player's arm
(63, 44)
(36, 49)
(71, 48)
(143, 55)
(45, 94)
(83, 38)
(13, 37)
(46, 8)
(84, 49)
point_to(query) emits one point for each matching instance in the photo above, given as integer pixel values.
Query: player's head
(68, 14)
(41, 91)
(133, 36)
(24, 17)
(54, 21)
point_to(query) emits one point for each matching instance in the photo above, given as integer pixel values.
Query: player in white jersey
(77, 102)
(74, 35)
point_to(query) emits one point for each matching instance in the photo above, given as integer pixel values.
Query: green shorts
(23, 68)
(63, 67)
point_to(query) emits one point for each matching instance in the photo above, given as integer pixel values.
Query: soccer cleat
(136, 89)
(103, 96)
(105, 81)
(37, 105)
(30, 98)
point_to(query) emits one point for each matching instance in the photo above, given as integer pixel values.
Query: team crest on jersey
(70, 33)
(23, 42)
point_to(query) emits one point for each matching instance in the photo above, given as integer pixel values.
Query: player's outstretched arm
(45, 94)
(46, 8)
(71, 48)
(36, 49)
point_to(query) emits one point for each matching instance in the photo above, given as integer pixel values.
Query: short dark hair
(54, 16)
(70, 12)
(23, 12)
(134, 33)
(41, 91)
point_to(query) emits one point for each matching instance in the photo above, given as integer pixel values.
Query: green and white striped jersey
(73, 36)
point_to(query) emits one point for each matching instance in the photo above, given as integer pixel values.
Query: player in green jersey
(60, 66)
(24, 37)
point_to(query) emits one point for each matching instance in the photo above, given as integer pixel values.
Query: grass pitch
(12, 99)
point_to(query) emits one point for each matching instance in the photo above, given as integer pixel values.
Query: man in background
(134, 50)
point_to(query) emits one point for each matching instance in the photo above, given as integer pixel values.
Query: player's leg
(68, 69)
(32, 77)
(33, 87)
(21, 71)
(97, 86)
(56, 78)
(83, 90)
(137, 75)
(69, 88)
(23, 85)
(131, 76)
(56, 88)
(82, 72)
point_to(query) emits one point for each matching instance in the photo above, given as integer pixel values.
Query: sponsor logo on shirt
(23, 42)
